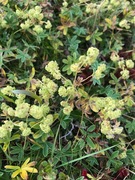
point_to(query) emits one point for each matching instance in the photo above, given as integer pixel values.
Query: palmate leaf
(68, 62)
(22, 56)
(80, 31)
(74, 42)
(109, 91)
(130, 126)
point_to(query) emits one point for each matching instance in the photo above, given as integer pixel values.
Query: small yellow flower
(23, 170)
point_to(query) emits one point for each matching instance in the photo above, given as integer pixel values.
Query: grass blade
(28, 93)
(86, 156)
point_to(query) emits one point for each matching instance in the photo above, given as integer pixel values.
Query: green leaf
(91, 128)
(63, 124)
(109, 91)
(34, 147)
(116, 164)
(73, 44)
(16, 150)
(116, 81)
(80, 31)
(63, 176)
(45, 150)
(5, 146)
(1, 174)
(81, 143)
(22, 56)
(38, 134)
(67, 147)
(94, 135)
(90, 143)
(80, 178)
(114, 154)
(93, 161)
(14, 137)
(130, 126)
(40, 177)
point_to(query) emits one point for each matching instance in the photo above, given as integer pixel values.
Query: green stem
(53, 148)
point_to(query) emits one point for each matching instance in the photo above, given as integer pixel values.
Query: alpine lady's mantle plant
(67, 89)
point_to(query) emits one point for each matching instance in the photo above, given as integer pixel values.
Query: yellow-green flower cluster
(108, 107)
(26, 131)
(38, 29)
(110, 130)
(122, 4)
(130, 64)
(67, 108)
(36, 111)
(128, 101)
(99, 72)
(39, 112)
(91, 8)
(121, 64)
(26, 24)
(53, 68)
(114, 57)
(69, 91)
(8, 90)
(85, 60)
(122, 155)
(112, 114)
(6, 128)
(33, 13)
(3, 23)
(65, 4)
(47, 88)
(4, 108)
(113, 3)
(48, 24)
(7, 110)
(92, 55)
(32, 17)
(20, 98)
(124, 74)
(75, 67)
(46, 123)
(124, 24)
(11, 111)
(22, 110)
(3, 132)
(62, 91)
(36, 13)
(125, 65)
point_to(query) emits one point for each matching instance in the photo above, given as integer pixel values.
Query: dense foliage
(67, 87)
